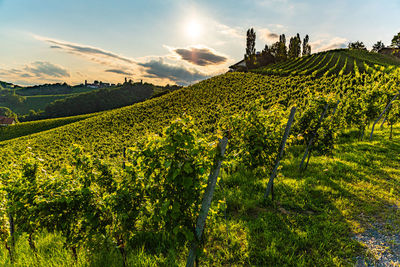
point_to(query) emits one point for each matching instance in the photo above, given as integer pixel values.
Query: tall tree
(396, 41)
(357, 45)
(250, 56)
(306, 46)
(378, 46)
(251, 42)
(294, 47)
(266, 57)
(281, 49)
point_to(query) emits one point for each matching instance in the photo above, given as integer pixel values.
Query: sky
(169, 41)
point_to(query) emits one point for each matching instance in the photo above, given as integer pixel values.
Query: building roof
(5, 120)
(241, 63)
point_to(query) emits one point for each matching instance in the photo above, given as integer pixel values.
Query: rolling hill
(206, 101)
(317, 213)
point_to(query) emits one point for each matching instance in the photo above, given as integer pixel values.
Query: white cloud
(230, 31)
(267, 36)
(328, 44)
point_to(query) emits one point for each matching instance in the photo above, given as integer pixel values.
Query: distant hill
(52, 89)
(100, 100)
(340, 61)
(21, 100)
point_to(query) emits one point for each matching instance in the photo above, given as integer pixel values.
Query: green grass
(27, 128)
(311, 222)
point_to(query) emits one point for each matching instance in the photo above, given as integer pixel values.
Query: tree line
(378, 46)
(278, 51)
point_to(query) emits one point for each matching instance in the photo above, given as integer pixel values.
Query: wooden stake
(280, 154)
(383, 112)
(310, 143)
(207, 198)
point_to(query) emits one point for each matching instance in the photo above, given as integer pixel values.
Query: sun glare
(193, 29)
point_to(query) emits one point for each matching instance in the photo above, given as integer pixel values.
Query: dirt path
(382, 244)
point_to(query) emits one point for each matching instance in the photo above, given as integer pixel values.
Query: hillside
(27, 128)
(22, 105)
(100, 100)
(341, 61)
(319, 216)
(206, 101)
(52, 89)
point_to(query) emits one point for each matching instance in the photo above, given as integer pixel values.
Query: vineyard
(125, 187)
(341, 62)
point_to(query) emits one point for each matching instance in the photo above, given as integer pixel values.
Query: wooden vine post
(383, 112)
(207, 198)
(309, 153)
(311, 142)
(337, 104)
(11, 248)
(270, 185)
(124, 158)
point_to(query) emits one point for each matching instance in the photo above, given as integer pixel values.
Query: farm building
(5, 121)
(241, 65)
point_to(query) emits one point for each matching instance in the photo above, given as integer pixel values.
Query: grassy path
(318, 215)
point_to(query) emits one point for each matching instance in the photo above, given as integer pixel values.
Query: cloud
(229, 31)
(40, 68)
(328, 44)
(200, 56)
(26, 75)
(117, 71)
(95, 54)
(268, 36)
(178, 74)
(177, 66)
(87, 50)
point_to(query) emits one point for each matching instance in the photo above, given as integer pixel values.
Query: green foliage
(250, 43)
(4, 111)
(393, 114)
(396, 40)
(334, 62)
(306, 46)
(174, 168)
(95, 101)
(378, 46)
(279, 49)
(310, 124)
(27, 128)
(357, 45)
(294, 47)
(90, 203)
(255, 136)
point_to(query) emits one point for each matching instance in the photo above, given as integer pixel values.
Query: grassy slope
(28, 128)
(106, 134)
(312, 221)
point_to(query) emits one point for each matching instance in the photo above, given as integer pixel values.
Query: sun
(193, 29)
